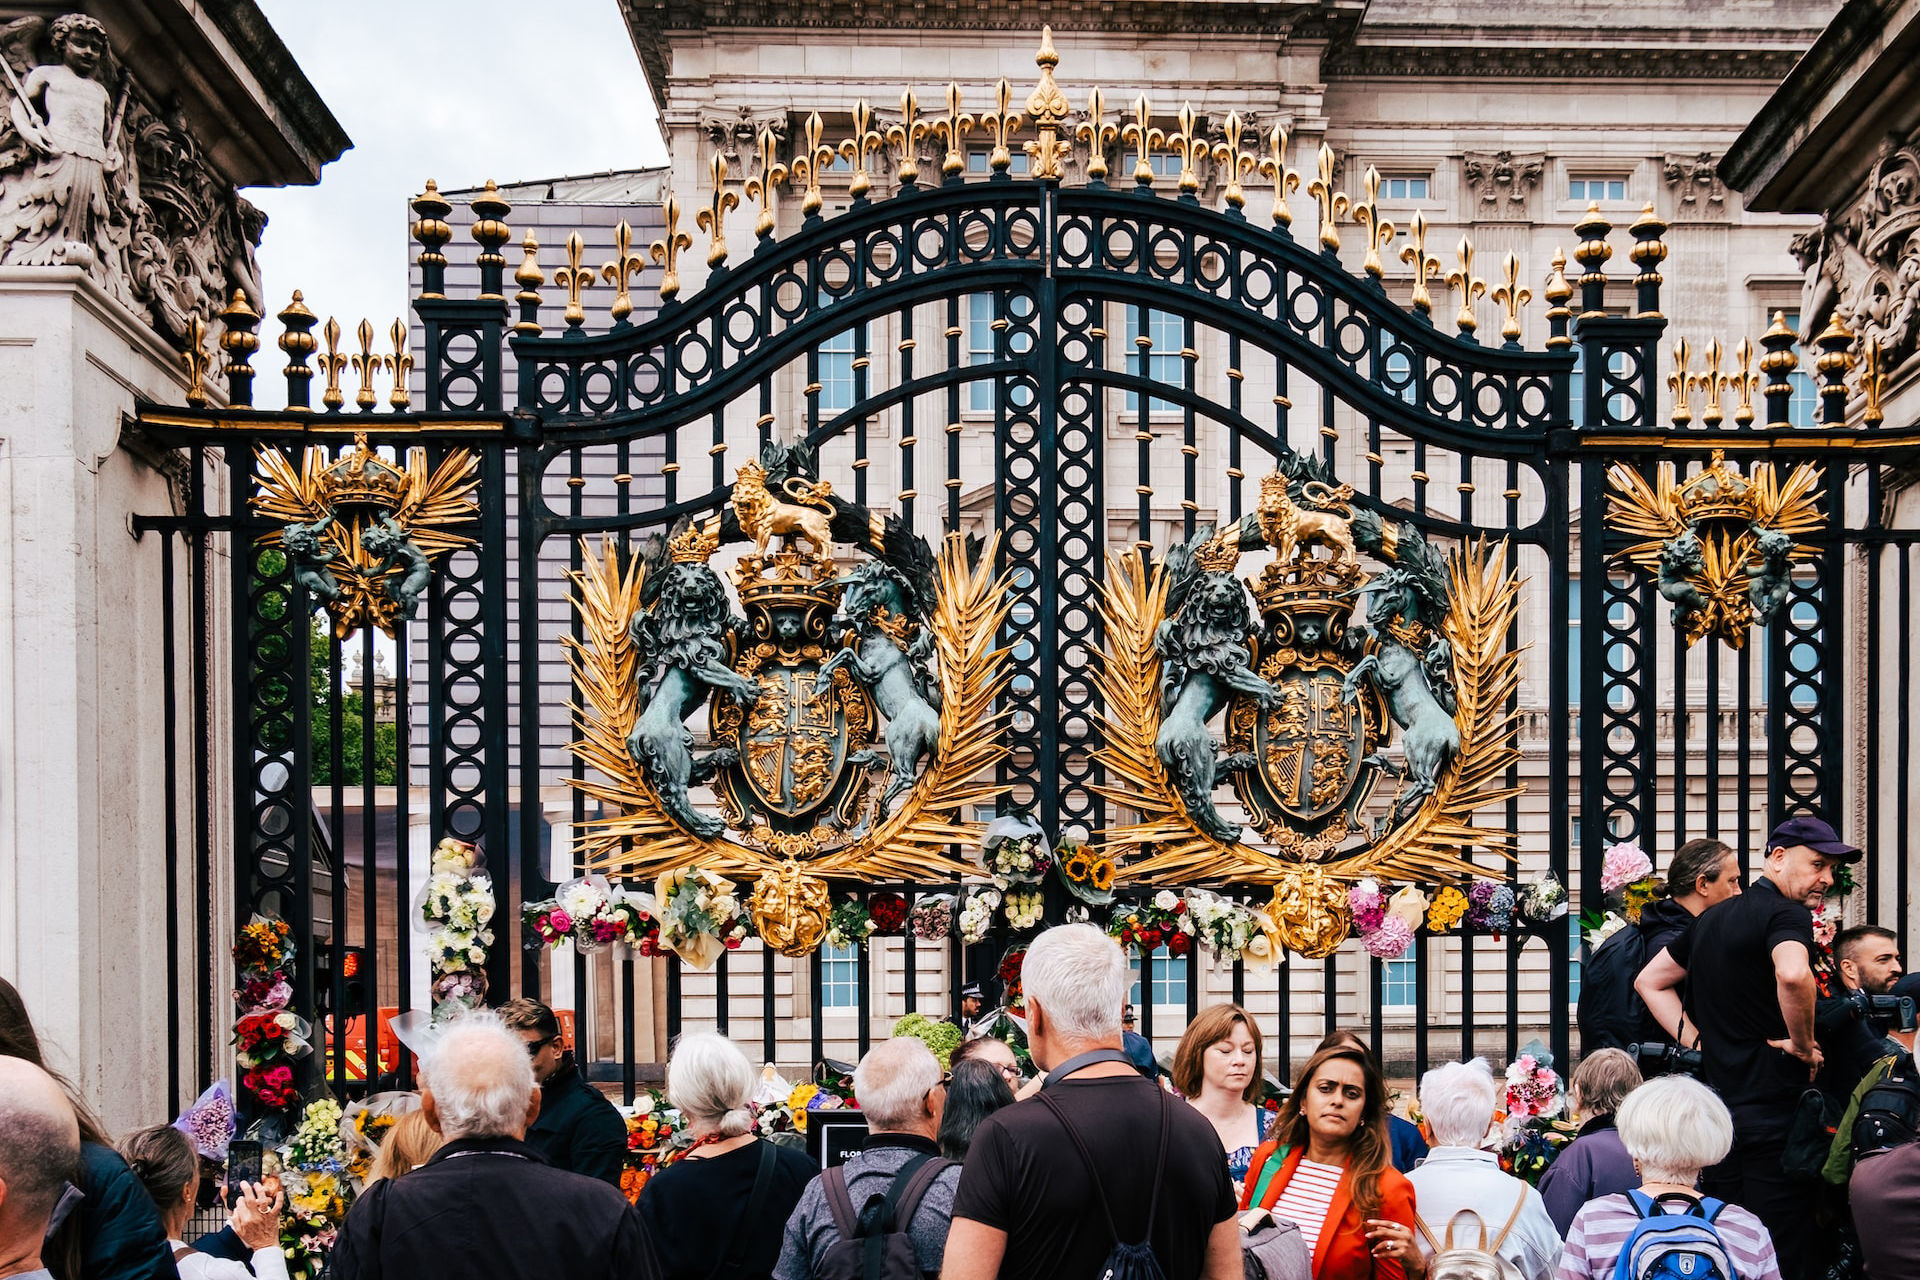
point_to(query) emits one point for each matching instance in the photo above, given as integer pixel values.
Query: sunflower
(1102, 874)
(1079, 867)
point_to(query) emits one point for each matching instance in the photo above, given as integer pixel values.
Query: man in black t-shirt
(1747, 970)
(1030, 1202)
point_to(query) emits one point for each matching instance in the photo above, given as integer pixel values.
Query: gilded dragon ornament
(1313, 689)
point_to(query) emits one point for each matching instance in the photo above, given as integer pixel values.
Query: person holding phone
(169, 1168)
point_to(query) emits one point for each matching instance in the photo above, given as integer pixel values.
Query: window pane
(1573, 645)
(839, 978)
(1169, 979)
(1573, 969)
(836, 373)
(1161, 362)
(1399, 984)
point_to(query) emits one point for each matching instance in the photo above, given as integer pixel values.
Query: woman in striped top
(1673, 1128)
(1326, 1167)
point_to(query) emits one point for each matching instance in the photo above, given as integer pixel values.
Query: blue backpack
(1674, 1246)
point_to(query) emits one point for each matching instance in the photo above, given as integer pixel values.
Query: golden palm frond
(1792, 507)
(286, 495)
(442, 499)
(1650, 511)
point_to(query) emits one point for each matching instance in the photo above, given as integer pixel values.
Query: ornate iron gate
(1034, 353)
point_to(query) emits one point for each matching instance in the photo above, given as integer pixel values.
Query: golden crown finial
(1873, 384)
(1286, 180)
(1144, 138)
(1379, 231)
(1333, 204)
(1425, 266)
(1511, 296)
(1234, 162)
(575, 277)
(713, 218)
(362, 478)
(666, 251)
(332, 364)
(1220, 553)
(1682, 383)
(865, 141)
(1192, 147)
(1467, 287)
(1047, 107)
(1001, 123)
(808, 162)
(906, 137)
(1710, 382)
(1717, 492)
(625, 267)
(366, 364)
(954, 126)
(529, 277)
(1744, 382)
(760, 186)
(695, 543)
(399, 363)
(1098, 135)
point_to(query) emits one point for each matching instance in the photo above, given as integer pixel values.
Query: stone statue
(388, 540)
(890, 652)
(1767, 585)
(1682, 561)
(310, 558)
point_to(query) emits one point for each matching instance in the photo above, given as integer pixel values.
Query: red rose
(1180, 907)
(1149, 938)
(1179, 944)
(888, 912)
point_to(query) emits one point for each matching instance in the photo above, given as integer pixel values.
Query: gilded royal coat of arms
(1366, 707)
(850, 709)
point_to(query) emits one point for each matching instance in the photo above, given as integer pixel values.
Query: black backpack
(1610, 1012)
(1889, 1114)
(1126, 1261)
(878, 1244)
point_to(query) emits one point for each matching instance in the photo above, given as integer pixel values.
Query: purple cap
(1815, 834)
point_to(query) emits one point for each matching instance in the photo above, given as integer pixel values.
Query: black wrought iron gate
(1080, 367)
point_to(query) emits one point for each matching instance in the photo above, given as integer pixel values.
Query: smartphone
(244, 1160)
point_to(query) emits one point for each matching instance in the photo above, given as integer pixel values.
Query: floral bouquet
(264, 947)
(700, 915)
(1087, 872)
(654, 1141)
(1542, 902)
(1826, 923)
(1627, 873)
(210, 1122)
(454, 908)
(1533, 1087)
(1597, 926)
(1161, 921)
(593, 915)
(849, 924)
(1489, 907)
(931, 919)
(889, 914)
(976, 914)
(1448, 908)
(314, 1174)
(1026, 907)
(1014, 850)
(1529, 1147)
(1386, 924)
(1232, 932)
(364, 1125)
(1009, 974)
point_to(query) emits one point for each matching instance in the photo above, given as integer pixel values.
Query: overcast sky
(455, 90)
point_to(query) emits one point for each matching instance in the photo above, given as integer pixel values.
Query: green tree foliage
(386, 735)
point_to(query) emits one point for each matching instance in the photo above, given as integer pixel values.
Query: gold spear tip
(1778, 329)
(1047, 57)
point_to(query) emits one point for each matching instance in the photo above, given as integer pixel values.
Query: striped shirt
(1306, 1199)
(1603, 1225)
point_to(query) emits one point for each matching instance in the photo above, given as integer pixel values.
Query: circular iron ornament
(1306, 306)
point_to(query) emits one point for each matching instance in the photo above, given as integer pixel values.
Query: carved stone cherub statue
(387, 539)
(310, 558)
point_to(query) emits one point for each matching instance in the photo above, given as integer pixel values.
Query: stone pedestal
(83, 742)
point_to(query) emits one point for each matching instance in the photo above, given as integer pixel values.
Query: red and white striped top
(1306, 1199)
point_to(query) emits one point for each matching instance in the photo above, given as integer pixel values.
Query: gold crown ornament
(1220, 553)
(1719, 492)
(786, 579)
(362, 478)
(695, 543)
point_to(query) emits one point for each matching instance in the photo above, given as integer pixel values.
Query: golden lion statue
(1287, 526)
(764, 515)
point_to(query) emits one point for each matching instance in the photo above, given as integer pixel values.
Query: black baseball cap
(1816, 835)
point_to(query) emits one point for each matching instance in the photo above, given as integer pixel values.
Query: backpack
(1452, 1261)
(1889, 1114)
(1610, 1012)
(1674, 1246)
(1125, 1261)
(878, 1243)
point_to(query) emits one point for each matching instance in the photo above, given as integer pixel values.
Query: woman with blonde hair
(1217, 1069)
(409, 1144)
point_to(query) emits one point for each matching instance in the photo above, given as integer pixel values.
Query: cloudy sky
(455, 90)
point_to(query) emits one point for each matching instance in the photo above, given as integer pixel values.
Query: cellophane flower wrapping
(932, 917)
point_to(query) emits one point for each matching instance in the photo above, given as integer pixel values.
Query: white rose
(1166, 900)
(1258, 946)
(476, 955)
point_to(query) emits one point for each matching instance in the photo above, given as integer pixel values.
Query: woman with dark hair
(1217, 1069)
(976, 1089)
(167, 1165)
(1326, 1169)
(115, 1233)
(1409, 1144)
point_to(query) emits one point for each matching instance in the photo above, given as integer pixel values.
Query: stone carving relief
(93, 174)
(1863, 264)
(738, 133)
(1695, 183)
(1502, 179)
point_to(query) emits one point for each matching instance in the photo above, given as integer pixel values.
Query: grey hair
(892, 1081)
(1603, 1080)
(1078, 977)
(1458, 1099)
(1673, 1128)
(480, 1077)
(710, 1081)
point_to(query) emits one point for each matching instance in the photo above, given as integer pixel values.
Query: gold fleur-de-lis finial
(1711, 382)
(760, 187)
(1097, 134)
(1192, 147)
(954, 127)
(1512, 296)
(666, 251)
(622, 270)
(574, 277)
(865, 141)
(1001, 123)
(1425, 266)
(197, 361)
(332, 364)
(1286, 180)
(1467, 287)
(808, 161)
(1333, 204)
(905, 137)
(1682, 383)
(1047, 107)
(1379, 231)
(713, 218)
(1873, 384)
(366, 364)
(1234, 162)
(399, 363)
(1144, 138)
(1744, 383)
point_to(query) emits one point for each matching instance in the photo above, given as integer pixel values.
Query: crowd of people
(1792, 1156)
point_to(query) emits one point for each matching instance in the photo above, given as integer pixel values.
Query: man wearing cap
(1747, 969)
(971, 1001)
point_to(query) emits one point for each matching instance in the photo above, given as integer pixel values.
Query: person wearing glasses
(995, 1052)
(578, 1129)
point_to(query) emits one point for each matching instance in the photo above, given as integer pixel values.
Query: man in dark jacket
(578, 1129)
(487, 1206)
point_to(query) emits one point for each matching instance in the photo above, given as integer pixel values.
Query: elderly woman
(1326, 1168)
(1673, 1128)
(1460, 1190)
(1217, 1070)
(696, 1209)
(1596, 1162)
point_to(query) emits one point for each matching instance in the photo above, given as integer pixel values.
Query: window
(1169, 979)
(1399, 984)
(1573, 964)
(1397, 368)
(983, 347)
(1620, 408)
(978, 162)
(1165, 164)
(1803, 407)
(1404, 188)
(839, 978)
(1573, 648)
(1591, 189)
(1160, 362)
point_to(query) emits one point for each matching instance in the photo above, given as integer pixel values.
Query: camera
(1665, 1059)
(1896, 1011)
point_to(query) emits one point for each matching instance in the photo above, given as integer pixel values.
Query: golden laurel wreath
(917, 841)
(1431, 845)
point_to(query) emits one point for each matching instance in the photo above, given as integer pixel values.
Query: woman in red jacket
(1326, 1165)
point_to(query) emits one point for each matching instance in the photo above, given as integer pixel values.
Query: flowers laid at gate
(1161, 921)
(889, 913)
(313, 1171)
(1026, 907)
(1489, 907)
(1448, 908)
(1087, 872)
(976, 914)
(1232, 932)
(1011, 993)
(1542, 902)
(1597, 926)
(932, 917)
(1533, 1088)
(593, 915)
(849, 924)
(1014, 850)
(364, 1125)
(267, 1037)
(700, 915)
(1368, 903)
(454, 907)
(654, 1140)
(941, 1038)
(210, 1122)
(1626, 874)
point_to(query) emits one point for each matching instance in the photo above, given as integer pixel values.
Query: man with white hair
(1459, 1179)
(487, 1206)
(39, 1155)
(1100, 1157)
(902, 1093)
